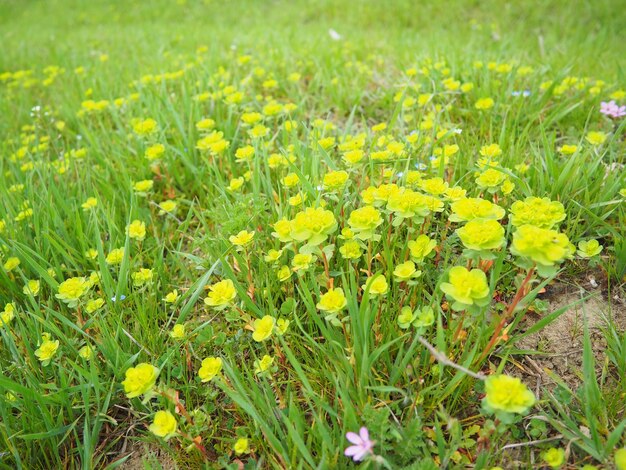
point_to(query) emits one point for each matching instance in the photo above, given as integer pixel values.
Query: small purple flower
(362, 447)
(612, 109)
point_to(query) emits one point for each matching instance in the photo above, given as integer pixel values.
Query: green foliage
(90, 92)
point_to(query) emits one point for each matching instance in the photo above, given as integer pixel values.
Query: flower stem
(516, 300)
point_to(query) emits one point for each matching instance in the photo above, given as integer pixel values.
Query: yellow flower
(290, 125)
(140, 379)
(171, 297)
(596, 137)
(90, 203)
(413, 178)
(291, 180)
(544, 246)
(47, 350)
(568, 149)
(221, 294)
(163, 425)
(167, 207)
(351, 250)
(620, 459)
(332, 301)
(466, 287)
(297, 200)
(522, 168)
(420, 318)
(553, 457)
(468, 209)
(235, 184)
(263, 328)
(379, 196)
(258, 131)
(263, 365)
(31, 287)
(243, 238)
(23, 215)
(455, 193)
(115, 256)
(242, 446)
(406, 204)
(326, 143)
(145, 127)
(210, 368)
(406, 317)
(353, 157)
(482, 234)
(154, 151)
(405, 271)
(273, 255)
(136, 230)
(302, 261)
(284, 273)
(94, 305)
(434, 186)
(312, 225)
(94, 278)
(421, 247)
(491, 151)
(178, 332)
(11, 263)
(143, 186)
(251, 118)
(490, 179)
(72, 289)
(335, 180)
(245, 154)
(376, 285)
(589, 249)
(141, 277)
(7, 315)
(509, 394)
(507, 187)
(484, 103)
(86, 352)
(281, 326)
(540, 212)
(364, 221)
(205, 124)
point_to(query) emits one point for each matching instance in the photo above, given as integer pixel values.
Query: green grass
(330, 374)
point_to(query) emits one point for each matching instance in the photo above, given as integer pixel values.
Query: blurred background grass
(586, 36)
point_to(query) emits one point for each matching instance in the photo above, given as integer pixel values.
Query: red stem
(516, 300)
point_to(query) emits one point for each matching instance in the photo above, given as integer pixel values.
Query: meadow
(312, 234)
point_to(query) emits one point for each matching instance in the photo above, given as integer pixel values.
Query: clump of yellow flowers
(372, 240)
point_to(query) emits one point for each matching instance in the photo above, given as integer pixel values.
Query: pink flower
(362, 445)
(612, 110)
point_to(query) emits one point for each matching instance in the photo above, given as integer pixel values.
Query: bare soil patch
(144, 456)
(560, 344)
